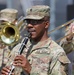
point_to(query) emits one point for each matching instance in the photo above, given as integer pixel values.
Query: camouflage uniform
(68, 45)
(5, 15)
(4, 53)
(46, 58)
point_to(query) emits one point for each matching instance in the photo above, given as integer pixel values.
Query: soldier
(68, 44)
(6, 15)
(42, 56)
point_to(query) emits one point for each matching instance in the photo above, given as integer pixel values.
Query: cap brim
(4, 19)
(36, 17)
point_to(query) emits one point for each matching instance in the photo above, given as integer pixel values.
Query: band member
(6, 15)
(42, 56)
(68, 44)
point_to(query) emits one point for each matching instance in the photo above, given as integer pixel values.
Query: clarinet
(23, 45)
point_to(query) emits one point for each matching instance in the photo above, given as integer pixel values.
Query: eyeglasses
(34, 22)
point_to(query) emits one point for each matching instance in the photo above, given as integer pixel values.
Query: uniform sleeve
(6, 54)
(68, 46)
(59, 65)
(13, 54)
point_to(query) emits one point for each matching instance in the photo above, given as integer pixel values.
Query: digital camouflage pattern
(4, 53)
(8, 14)
(46, 58)
(38, 12)
(68, 45)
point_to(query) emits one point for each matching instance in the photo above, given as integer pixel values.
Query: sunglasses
(34, 22)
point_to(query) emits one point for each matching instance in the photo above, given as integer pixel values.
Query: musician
(42, 56)
(68, 44)
(6, 15)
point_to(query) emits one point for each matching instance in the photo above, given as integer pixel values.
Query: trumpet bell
(10, 33)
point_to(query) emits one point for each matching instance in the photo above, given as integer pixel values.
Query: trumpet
(10, 33)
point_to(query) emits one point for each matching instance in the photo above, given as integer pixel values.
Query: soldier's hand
(21, 61)
(70, 37)
(72, 27)
(6, 70)
(71, 32)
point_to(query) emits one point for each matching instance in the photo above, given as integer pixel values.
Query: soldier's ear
(46, 24)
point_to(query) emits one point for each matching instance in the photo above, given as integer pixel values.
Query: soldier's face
(36, 28)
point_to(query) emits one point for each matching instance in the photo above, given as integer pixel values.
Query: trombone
(59, 27)
(10, 33)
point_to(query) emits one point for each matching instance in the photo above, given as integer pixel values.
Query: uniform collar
(39, 45)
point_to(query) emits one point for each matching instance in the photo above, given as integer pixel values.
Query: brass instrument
(59, 27)
(10, 33)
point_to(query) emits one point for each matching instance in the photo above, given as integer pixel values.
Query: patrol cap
(38, 12)
(8, 14)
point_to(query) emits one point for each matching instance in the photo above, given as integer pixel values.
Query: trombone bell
(10, 33)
